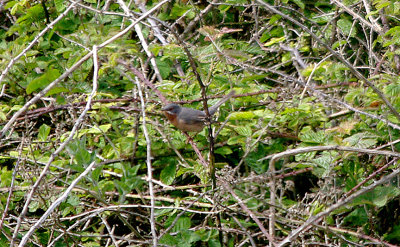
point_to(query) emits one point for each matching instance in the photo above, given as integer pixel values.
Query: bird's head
(172, 109)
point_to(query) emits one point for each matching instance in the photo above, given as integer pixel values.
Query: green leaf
(347, 27)
(361, 140)
(78, 150)
(168, 240)
(309, 136)
(214, 243)
(394, 234)
(43, 80)
(44, 131)
(299, 3)
(57, 90)
(223, 150)
(358, 217)
(167, 175)
(236, 140)
(95, 174)
(339, 43)
(323, 165)
(33, 206)
(241, 115)
(244, 130)
(393, 89)
(377, 197)
(5, 177)
(274, 41)
(164, 67)
(60, 7)
(35, 13)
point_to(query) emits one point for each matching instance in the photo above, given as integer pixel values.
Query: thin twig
(247, 210)
(60, 148)
(148, 163)
(342, 202)
(36, 39)
(373, 26)
(337, 55)
(54, 205)
(73, 68)
(11, 188)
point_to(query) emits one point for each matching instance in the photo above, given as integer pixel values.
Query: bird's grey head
(172, 108)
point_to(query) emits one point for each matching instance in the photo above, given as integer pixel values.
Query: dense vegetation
(305, 153)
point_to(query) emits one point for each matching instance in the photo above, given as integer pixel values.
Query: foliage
(291, 93)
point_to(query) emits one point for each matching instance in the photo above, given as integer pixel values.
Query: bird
(188, 119)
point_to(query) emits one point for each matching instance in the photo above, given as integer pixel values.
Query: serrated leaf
(43, 80)
(347, 27)
(241, 115)
(182, 223)
(236, 140)
(244, 130)
(167, 175)
(310, 136)
(377, 197)
(60, 7)
(223, 150)
(299, 3)
(164, 67)
(44, 131)
(275, 41)
(361, 140)
(78, 150)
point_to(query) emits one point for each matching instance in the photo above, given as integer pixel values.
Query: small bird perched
(188, 119)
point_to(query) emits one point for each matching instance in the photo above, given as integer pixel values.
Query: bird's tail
(215, 107)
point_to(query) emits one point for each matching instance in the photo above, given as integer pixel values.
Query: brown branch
(143, 79)
(369, 178)
(293, 235)
(248, 211)
(353, 70)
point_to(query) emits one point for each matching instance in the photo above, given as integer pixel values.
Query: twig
(33, 42)
(11, 188)
(110, 230)
(194, 22)
(74, 67)
(55, 204)
(245, 231)
(275, 157)
(143, 79)
(59, 149)
(337, 55)
(149, 166)
(247, 210)
(143, 41)
(342, 202)
(373, 26)
(369, 178)
(180, 214)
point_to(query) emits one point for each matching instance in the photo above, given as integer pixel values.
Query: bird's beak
(163, 109)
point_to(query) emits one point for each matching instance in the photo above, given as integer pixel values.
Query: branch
(248, 211)
(73, 68)
(55, 154)
(337, 55)
(341, 202)
(149, 166)
(33, 42)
